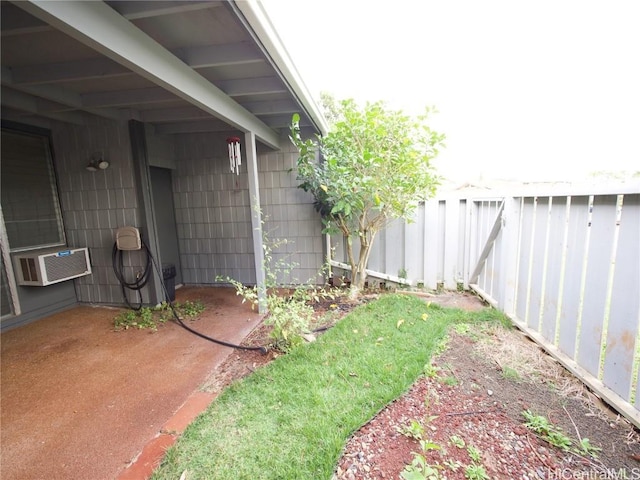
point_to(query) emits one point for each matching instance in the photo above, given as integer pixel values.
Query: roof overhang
(178, 65)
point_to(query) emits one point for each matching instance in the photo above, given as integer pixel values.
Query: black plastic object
(169, 278)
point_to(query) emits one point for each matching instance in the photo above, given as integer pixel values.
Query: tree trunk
(359, 269)
(368, 228)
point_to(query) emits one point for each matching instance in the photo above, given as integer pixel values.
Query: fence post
(509, 255)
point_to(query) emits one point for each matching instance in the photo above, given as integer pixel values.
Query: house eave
(255, 15)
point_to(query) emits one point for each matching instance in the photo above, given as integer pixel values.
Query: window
(5, 294)
(30, 204)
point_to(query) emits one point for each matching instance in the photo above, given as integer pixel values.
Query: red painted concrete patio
(81, 401)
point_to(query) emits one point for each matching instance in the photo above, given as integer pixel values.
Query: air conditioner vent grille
(29, 270)
(59, 268)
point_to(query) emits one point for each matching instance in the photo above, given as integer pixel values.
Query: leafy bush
(289, 309)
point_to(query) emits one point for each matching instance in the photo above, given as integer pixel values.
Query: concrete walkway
(80, 401)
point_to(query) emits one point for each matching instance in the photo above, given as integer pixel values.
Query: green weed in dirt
(151, 317)
(549, 432)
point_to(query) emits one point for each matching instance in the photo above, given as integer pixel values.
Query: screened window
(30, 203)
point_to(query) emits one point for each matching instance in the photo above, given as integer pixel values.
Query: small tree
(375, 168)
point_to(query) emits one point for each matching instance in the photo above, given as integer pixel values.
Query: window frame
(45, 134)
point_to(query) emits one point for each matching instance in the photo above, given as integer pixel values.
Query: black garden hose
(261, 348)
(140, 282)
(143, 279)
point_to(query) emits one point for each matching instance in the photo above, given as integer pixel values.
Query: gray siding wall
(289, 214)
(212, 209)
(95, 204)
(213, 213)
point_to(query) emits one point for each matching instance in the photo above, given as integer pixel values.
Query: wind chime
(233, 144)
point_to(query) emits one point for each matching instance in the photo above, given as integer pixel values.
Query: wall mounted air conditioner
(53, 265)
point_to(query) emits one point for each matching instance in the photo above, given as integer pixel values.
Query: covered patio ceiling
(181, 66)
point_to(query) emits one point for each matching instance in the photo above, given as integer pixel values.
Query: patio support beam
(98, 26)
(256, 219)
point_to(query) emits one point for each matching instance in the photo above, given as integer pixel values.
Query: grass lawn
(292, 418)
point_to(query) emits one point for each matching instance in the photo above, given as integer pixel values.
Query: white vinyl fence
(565, 267)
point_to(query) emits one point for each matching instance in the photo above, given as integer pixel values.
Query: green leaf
(411, 475)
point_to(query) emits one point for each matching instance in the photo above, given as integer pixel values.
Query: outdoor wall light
(97, 162)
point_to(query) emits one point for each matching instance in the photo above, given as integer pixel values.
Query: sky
(528, 90)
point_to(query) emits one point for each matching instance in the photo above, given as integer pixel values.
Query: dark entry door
(162, 192)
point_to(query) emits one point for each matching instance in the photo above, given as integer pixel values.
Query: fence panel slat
(442, 246)
(509, 255)
(463, 246)
(603, 223)
(431, 253)
(377, 254)
(524, 261)
(472, 241)
(451, 236)
(541, 223)
(481, 240)
(574, 264)
(414, 250)
(489, 215)
(339, 252)
(625, 302)
(393, 255)
(553, 267)
(493, 262)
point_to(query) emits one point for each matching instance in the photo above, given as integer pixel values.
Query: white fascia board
(258, 19)
(97, 25)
